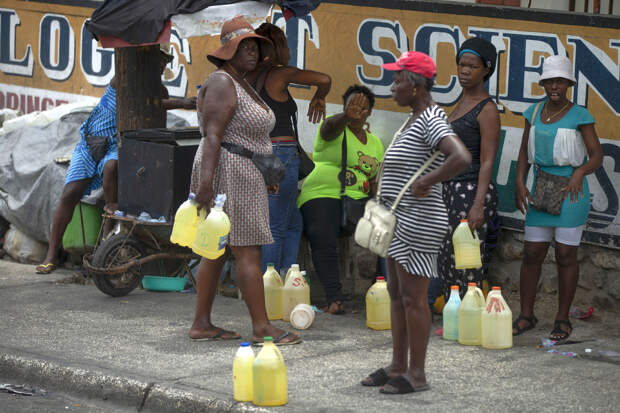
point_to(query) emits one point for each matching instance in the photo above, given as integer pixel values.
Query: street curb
(144, 396)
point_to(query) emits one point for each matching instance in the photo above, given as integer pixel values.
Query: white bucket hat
(557, 66)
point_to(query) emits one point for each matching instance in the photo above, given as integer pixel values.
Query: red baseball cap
(415, 62)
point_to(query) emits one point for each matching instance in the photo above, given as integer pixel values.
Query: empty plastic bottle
(470, 315)
(243, 366)
(269, 376)
(451, 315)
(496, 321)
(186, 222)
(295, 291)
(378, 306)
(466, 247)
(212, 234)
(273, 293)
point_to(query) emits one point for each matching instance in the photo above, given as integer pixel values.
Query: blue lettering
(96, 62)
(56, 47)
(9, 64)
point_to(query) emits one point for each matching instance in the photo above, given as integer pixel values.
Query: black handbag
(351, 210)
(548, 194)
(306, 165)
(269, 165)
(98, 146)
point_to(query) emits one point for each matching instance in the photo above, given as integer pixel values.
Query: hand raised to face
(357, 107)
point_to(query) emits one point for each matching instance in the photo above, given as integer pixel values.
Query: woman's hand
(273, 189)
(204, 195)
(419, 189)
(522, 197)
(574, 187)
(316, 109)
(357, 107)
(190, 103)
(475, 218)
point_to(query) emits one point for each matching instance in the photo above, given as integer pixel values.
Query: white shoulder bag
(375, 229)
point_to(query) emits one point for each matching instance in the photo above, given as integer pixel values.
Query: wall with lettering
(48, 58)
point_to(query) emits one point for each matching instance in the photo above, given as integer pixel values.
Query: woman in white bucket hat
(560, 140)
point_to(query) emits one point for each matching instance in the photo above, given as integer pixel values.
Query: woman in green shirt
(319, 200)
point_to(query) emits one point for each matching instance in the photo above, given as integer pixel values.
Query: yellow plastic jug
(451, 315)
(269, 376)
(496, 322)
(470, 313)
(295, 291)
(186, 222)
(212, 234)
(466, 247)
(243, 365)
(294, 267)
(378, 306)
(273, 293)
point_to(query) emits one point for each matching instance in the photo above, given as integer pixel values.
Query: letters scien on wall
(47, 58)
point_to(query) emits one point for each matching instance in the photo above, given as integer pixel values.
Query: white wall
(562, 5)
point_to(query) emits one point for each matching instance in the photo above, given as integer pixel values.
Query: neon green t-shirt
(362, 165)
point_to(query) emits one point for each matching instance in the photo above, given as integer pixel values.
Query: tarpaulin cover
(141, 21)
(30, 181)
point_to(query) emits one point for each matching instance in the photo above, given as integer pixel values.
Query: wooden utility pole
(139, 91)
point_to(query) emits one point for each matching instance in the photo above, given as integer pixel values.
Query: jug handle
(480, 297)
(475, 232)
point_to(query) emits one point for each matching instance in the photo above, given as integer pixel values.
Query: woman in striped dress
(421, 216)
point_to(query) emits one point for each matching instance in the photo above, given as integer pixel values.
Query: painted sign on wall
(47, 58)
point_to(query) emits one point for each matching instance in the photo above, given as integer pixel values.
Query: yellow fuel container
(273, 293)
(269, 376)
(212, 234)
(466, 247)
(378, 306)
(243, 366)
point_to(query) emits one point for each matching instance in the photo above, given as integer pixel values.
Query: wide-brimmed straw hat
(233, 32)
(557, 66)
(415, 62)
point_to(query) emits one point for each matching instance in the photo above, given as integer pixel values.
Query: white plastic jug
(466, 247)
(451, 315)
(470, 316)
(496, 322)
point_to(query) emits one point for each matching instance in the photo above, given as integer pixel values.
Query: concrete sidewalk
(135, 351)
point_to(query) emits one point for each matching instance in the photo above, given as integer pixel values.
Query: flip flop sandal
(558, 333)
(532, 321)
(45, 268)
(278, 341)
(377, 378)
(400, 385)
(219, 336)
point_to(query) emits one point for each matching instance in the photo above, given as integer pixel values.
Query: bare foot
(212, 333)
(279, 336)
(110, 208)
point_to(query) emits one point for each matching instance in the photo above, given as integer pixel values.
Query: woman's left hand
(420, 190)
(316, 110)
(574, 187)
(190, 103)
(475, 218)
(273, 189)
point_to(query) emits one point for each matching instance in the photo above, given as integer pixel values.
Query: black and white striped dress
(421, 222)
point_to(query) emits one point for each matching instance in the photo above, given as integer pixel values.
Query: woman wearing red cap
(230, 111)
(421, 216)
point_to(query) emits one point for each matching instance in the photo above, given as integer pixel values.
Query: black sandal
(377, 378)
(532, 321)
(559, 334)
(400, 385)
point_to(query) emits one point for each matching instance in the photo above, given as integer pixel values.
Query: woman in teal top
(560, 139)
(319, 200)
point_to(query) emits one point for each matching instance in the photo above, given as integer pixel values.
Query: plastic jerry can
(186, 223)
(496, 322)
(466, 247)
(212, 234)
(378, 306)
(451, 315)
(295, 291)
(269, 376)
(73, 239)
(291, 269)
(243, 366)
(273, 293)
(470, 315)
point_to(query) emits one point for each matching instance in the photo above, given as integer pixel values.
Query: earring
(415, 91)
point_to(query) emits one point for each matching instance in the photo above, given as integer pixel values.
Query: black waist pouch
(98, 146)
(269, 165)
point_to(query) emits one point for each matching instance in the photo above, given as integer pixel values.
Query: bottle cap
(245, 344)
(295, 266)
(454, 287)
(270, 264)
(381, 278)
(464, 220)
(496, 288)
(267, 338)
(198, 86)
(471, 284)
(191, 196)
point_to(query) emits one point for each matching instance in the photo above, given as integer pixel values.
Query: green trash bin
(72, 240)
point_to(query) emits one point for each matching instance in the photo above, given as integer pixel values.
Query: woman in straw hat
(558, 138)
(230, 111)
(472, 195)
(421, 218)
